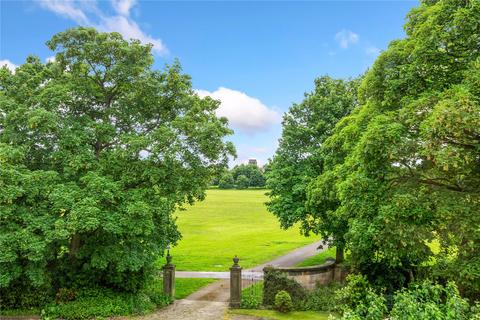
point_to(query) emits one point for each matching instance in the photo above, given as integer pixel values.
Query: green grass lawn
(318, 259)
(228, 223)
(186, 286)
(274, 315)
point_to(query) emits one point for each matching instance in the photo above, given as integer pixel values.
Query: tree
(252, 172)
(97, 150)
(403, 169)
(226, 181)
(299, 157)
(242, 182)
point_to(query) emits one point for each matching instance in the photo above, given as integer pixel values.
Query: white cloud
(346, 38)
(50, 59)
(123, 6)
(7, 63)
(129, 29)
(372, 51)
(243, 112)
(87, 13)
(65, 9)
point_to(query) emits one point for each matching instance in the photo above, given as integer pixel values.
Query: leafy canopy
(97, 150)
(300, 157)
(404, 168)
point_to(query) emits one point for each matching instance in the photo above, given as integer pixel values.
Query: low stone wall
(311, 277)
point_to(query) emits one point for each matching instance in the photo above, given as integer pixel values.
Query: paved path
(288, 260)
(211, 302)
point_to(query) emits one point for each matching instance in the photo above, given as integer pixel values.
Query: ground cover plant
(228, 223)
(90, 303)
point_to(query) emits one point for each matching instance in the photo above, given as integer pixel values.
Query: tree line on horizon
(242, 176)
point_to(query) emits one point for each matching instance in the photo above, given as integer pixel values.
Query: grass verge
(274, 315)
(318, 259)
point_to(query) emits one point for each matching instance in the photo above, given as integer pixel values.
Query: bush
(275, 281)
(101, 302)
(323, 298)
(427, 300)
(424, 300)
(24, 296)
(242, 182)
(358, 300)
(252, 296)
(65, 295)
(283, 301)
(226, 181)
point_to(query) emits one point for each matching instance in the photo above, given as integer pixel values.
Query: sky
(256, 57)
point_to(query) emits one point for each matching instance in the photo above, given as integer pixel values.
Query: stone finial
(235, 261)
(169, 258)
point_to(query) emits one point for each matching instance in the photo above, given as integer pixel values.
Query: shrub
(65, 295)
(242, 182)
(226, 181)
(24, 296)
(323, 298)
(283, 301)
(427, 300)
(275, 281)
(424, 300)
(101, 302)
(358, 300)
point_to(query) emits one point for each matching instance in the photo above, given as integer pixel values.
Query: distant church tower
(252, 161)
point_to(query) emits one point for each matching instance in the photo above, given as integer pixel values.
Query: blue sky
(256, 57)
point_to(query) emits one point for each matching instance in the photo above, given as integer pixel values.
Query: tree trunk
(74, 245)
(339, 254)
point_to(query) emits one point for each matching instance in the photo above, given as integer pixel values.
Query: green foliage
(423, 300)
(358, 300)
(65, 295)
(94, 303)
(283, 302)
(323, 298)
(430, 301)
(242, 177)
(402, 169)
(252, 296)
(226, 181)
(252, 172)
(21, 295)
(242, 182)
(97, 150)
(275, 315)
(275, 281)
(300, 157)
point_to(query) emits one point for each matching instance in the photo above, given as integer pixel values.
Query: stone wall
(311, 277)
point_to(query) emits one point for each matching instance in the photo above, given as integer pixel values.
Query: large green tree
(404, 168)
(97, 150)
(252, 172)
(299, 157)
